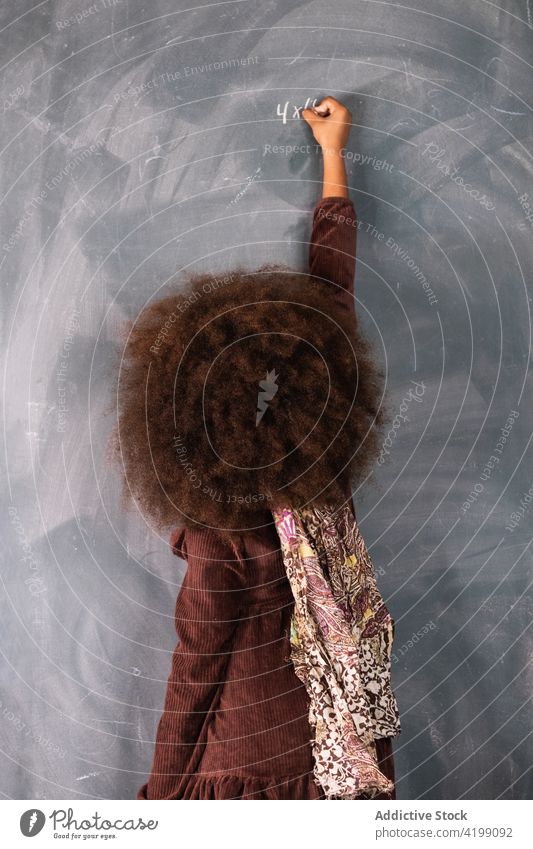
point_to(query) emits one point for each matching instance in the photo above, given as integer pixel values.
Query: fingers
(322, 109)
(330, 123)
(310, 116)
(315, 115)
(331, 106)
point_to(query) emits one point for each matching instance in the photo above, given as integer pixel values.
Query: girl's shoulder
(212, 563)
(187, 542)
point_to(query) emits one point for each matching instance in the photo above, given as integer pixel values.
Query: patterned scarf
(341, 642)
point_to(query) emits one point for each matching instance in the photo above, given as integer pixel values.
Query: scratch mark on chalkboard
(435, 735)
(155, 156)
(465, 127)
(407, 74)
(249, 181)
(112, 37)
(528, 14)
(404, 123)
(506, 111)
(295, 58)
(43, 126)
(89, 775)
(80, 197)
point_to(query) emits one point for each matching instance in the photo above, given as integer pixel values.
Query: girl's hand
(330, 122)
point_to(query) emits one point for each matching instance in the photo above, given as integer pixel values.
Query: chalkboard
(141, 141)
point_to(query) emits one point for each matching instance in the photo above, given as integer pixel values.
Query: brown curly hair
(241, 393)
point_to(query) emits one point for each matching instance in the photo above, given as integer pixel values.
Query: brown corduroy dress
(235, 720)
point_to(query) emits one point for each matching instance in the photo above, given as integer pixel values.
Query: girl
(249, 406)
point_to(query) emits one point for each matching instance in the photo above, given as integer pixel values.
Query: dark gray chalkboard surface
(140, 139)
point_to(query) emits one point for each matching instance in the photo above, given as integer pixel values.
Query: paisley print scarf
(341, 642)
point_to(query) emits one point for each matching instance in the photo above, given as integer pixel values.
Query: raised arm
(207, 613)
(332, 249)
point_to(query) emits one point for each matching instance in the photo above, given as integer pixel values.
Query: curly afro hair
(243, 393)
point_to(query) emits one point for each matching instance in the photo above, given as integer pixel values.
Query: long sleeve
(332, 249)
(207, 613)
(332, 255)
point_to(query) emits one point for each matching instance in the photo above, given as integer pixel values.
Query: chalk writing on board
(296, 109)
